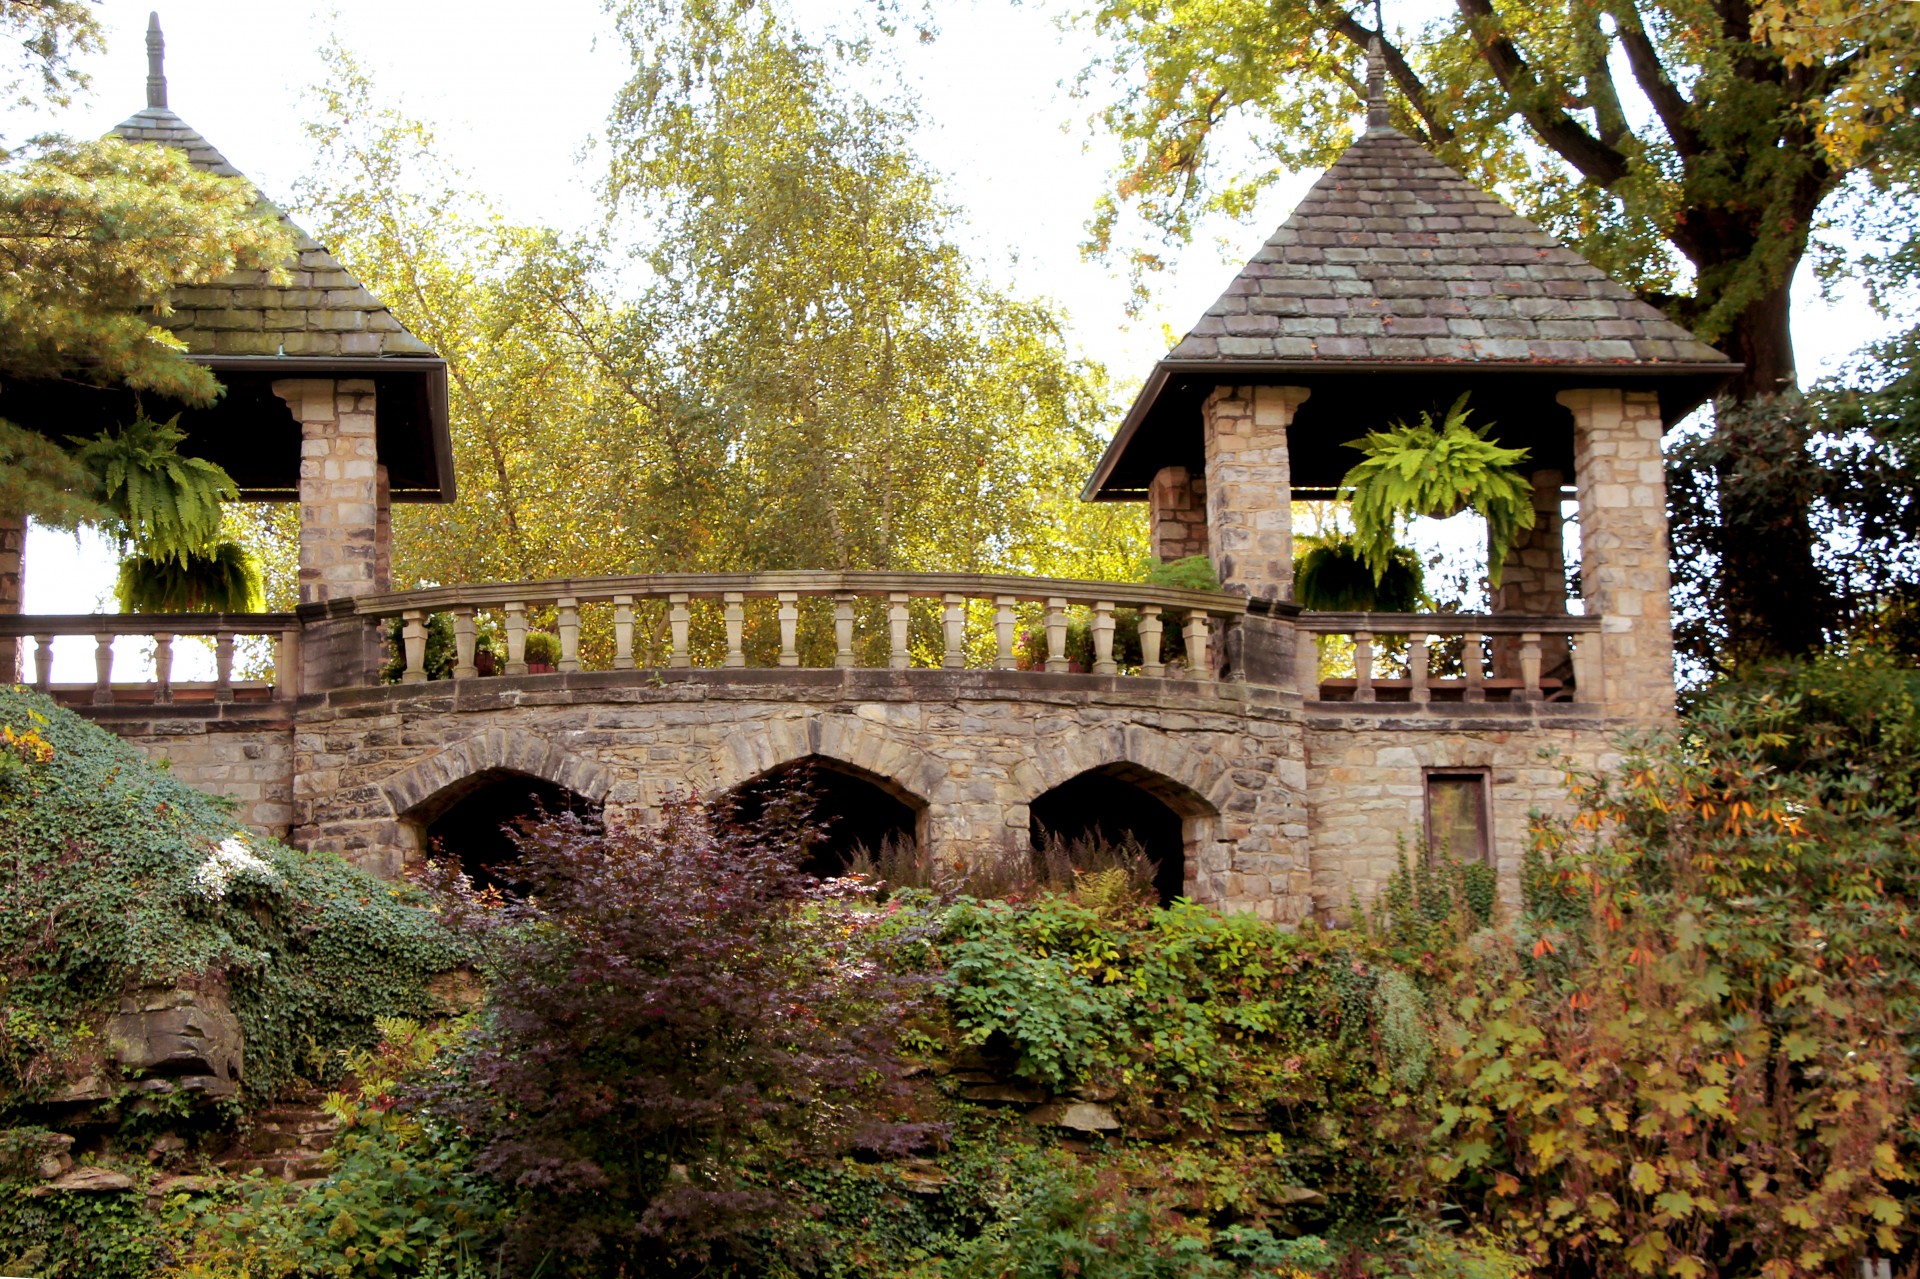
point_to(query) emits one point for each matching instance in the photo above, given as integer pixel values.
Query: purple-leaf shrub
(672, 1007)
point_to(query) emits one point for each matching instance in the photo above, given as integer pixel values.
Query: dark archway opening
(856, 811)
(477, 828)
(1099, 807)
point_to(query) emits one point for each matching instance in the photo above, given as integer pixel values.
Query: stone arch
(420, 794)
(1193, 788)
(864, 748)
(856, 806)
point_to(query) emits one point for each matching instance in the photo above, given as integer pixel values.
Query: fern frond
(166, 503)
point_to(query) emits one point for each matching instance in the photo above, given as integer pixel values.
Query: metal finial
(1377, 114)
(156, 63)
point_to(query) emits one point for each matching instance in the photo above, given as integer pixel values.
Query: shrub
(542, 648)
(669, 1005)
(119, 875)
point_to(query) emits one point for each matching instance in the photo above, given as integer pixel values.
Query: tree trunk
(1775, 603)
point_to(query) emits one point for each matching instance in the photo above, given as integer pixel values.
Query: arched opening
(1119, 805)
(474, 820)
(857, 811)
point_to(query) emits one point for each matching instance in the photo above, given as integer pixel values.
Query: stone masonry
(1177, 514)
(340, 507)
(1621, 479)
(1249, 487)
(13, 546)
(1534, 582)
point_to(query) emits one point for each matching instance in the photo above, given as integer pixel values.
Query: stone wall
(971, 748)
(13, 558)
(1250, 487)
(1177, 514)
(340, 486)
(244, 753)
(1366, 788)
(1621, 478)
(1533, 581)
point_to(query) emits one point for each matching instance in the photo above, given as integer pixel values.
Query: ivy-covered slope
(116, 876)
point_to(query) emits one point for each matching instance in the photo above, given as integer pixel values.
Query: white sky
(516, 101)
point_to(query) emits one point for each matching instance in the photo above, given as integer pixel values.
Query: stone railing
(224, 629)
(722, 603)
(1523, 647)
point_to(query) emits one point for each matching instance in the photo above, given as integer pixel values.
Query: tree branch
(1567, 136)
(1602, 97)
(1669, 103)
(1411, 86)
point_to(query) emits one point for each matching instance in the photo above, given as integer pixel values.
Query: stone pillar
(13, 563)
(1534, 583)
(1177, 506)
(339, 486)
(1250, 488)
(1621, 479)
(382, 531)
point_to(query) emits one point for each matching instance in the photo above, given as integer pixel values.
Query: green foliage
(1333, 576)
(1436, 469)
(76, 1236)
(542, 648)
(1429, 903)
(93, 238)
(166, 503)
(1190, 573)
(226, 579)
(121, 875)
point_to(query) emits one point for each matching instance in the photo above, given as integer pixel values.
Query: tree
(48, 33)
(1756, 114)
(794, 367)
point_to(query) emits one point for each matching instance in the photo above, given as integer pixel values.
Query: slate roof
(321, 310)
(1394, 257)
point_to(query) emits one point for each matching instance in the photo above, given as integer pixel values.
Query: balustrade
(224, 629)
(1412, 634)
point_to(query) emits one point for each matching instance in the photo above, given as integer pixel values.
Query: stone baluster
(1530, 665)
(1057, 634)
(734, 610)
(103, 670)
(286, 665)
(223, 664)
(1363, 666)
(1199, 661)
(1103, 663)
(1306, 664)
(568, 624)
(43, 662)
(679, 629)
(1151, 628)
(162, 669)
(843, 631)
(516, 639)
(1472, 664)
(623, 632)
(789, 628)
(1417, 692)
(466, 641)
(413, 639)
(953, 622)
(897, 656)
(1003, 631)
(1586, 668)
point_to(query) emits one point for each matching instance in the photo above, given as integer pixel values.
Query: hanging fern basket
(226, 579)
(1334, 577)
(1437, 469)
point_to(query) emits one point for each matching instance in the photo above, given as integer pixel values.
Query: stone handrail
(1580, 631)
(679, 591)
(162, 628)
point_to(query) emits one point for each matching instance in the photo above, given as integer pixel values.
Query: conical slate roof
(320, 309)
(1393, 257)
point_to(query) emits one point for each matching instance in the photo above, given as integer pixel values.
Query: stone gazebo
(329, 400)
(1396, 285)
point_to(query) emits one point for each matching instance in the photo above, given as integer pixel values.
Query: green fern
(167, 504)
(1436, 469)
(227, 579)
(1332, 576)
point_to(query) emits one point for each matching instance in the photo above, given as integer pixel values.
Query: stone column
(13, 562)
(1621, 479)
(1177, 506)
(1534, 583)
(382, 531)
(339, 486)
(1250, 488)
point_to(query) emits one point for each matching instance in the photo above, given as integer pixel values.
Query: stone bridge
(1256, 783)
